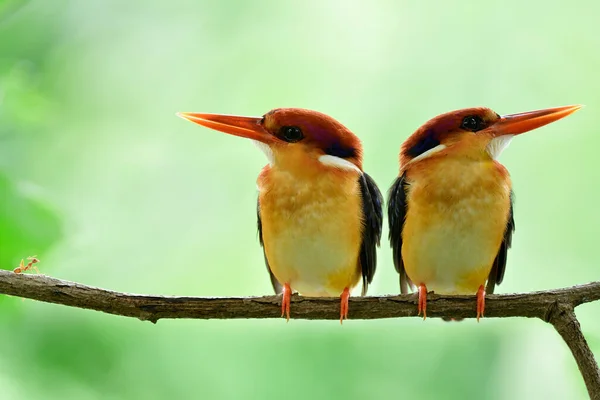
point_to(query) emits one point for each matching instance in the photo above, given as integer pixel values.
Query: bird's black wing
(499, 266)
(276, 285)
(396, 215)
(372, 202)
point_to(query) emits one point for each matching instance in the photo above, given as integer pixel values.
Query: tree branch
(152, 308)
(553, 306)
(563, 318)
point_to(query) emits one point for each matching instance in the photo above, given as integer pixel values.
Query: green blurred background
(102, 181)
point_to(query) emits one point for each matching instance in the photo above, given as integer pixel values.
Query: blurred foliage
(8, 7)
(26, 225)
(102, 181)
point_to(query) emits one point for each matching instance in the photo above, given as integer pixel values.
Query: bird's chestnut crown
(446, 129)
(313, 130)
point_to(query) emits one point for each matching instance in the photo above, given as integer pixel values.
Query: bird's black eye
(291, 134)
(472, 123)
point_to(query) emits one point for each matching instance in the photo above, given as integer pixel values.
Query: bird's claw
(480, 302)
(422, 305)
(345, 296)
(286, 299)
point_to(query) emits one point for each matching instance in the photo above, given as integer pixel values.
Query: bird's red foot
(480, 302)
(344, 304)
(422, 308)
(286, 299)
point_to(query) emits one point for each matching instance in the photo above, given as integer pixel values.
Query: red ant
(22, 267)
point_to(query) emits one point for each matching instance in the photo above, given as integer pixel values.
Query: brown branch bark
(563, 318)
(553, 306)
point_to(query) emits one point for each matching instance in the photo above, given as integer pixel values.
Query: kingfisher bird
(319, 215)
(450, 211)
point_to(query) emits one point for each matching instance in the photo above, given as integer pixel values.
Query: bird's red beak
(248, 127)
(515, 124)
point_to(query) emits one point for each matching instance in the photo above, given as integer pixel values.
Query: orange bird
(319, 215)
(450, 210)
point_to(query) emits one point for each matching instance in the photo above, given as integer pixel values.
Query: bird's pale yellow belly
(454, 225)
(312, 232)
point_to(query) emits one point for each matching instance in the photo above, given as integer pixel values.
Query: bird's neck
(455, 177)
(470, 150)
(311, 175)
(312, 165)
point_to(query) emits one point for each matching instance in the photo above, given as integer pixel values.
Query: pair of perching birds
(320, 216)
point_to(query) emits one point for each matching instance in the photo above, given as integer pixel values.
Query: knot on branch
(559, 312)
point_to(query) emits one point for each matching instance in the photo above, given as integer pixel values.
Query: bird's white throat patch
(265, 149)
(338, 162)
(497, 145)
(429, 152)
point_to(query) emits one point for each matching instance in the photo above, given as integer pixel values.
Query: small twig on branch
(553, 306)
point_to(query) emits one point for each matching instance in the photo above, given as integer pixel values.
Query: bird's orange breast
(312, 229)
(456, 217)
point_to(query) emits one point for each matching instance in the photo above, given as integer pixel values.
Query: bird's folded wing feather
(396, 215)
(372, 201)
(278, 287)
(499, 266)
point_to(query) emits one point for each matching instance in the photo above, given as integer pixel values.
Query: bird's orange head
(474, 132)
(293, 138)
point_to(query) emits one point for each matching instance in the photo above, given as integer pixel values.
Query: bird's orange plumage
(450, 210)
(319, 214)
(312, 224)
(457, 214)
